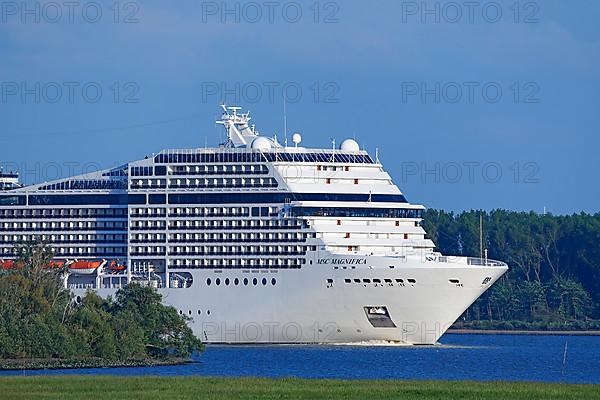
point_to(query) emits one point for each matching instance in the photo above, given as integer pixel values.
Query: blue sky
(469, 108)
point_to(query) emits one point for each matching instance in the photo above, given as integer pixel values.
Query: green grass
(109, 387)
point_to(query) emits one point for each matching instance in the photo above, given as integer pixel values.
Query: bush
(41, 320)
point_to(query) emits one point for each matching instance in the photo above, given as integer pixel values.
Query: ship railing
(482, 262)
(485, 262)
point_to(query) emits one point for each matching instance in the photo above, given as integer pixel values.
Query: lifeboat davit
(85, 267)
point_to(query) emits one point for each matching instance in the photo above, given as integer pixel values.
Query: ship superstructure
(256, 241)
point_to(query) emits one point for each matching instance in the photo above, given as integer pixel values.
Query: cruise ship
(255, 241)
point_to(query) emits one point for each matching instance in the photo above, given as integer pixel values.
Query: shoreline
(52, 363)
(521, 332)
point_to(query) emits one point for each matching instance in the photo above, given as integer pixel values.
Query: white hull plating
(303, 306)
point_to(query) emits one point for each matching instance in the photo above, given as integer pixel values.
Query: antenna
(480, 235)
(285, 119)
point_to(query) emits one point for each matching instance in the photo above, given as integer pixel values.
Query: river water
(458, 357)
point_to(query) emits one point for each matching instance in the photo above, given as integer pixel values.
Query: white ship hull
(303, 307)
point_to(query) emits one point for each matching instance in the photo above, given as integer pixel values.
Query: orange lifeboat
(8, 264)
(115, 267)
(56, 264)
(85, 267)
(11, 264)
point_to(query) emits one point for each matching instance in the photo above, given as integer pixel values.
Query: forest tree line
(553, 280)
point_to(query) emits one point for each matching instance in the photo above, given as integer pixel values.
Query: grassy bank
(86, 387)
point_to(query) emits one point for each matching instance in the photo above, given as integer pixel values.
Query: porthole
(189, 312)
(236, 281)
(226, 281)
(264, 281)
(199, 312)
(208, 282)
(255, 281)
(218, 281)
(245, 281)
(208, 312)
(273, 281)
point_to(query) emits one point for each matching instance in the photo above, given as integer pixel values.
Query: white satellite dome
(296, 138)
(261, 143)
(349, 145)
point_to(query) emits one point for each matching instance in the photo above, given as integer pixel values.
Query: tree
(41, 320)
